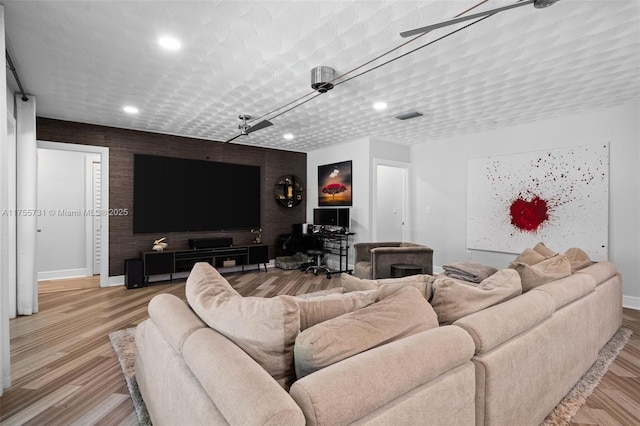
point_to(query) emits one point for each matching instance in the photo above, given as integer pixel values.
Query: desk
(336, 243)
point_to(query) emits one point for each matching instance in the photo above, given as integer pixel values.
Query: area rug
(124, 345)
(123, 342)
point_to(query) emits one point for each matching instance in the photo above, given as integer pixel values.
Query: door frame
(406, 229)
(104, 187)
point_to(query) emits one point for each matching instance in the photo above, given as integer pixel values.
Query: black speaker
(202, 243)
(133, 273)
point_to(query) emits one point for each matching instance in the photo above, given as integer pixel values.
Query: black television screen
(331, 217)
(181, 195)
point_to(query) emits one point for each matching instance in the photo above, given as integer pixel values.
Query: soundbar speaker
(203, 243)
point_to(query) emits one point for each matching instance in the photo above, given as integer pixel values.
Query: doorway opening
(72, 194)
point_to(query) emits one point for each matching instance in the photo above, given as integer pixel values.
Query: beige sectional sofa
(506, 364)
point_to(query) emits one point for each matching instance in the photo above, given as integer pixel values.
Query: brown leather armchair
(374, 260)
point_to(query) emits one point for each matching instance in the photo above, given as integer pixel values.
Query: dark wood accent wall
(123, 144)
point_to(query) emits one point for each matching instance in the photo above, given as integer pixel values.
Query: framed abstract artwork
(334, 184)
(559, 196)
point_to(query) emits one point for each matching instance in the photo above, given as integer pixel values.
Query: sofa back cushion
(314, 310)
(548, 270)
(454, 299)
(578, 258)
(544, 250)
(265, 328)
(399, 315)
(529, 257)
(388, 286)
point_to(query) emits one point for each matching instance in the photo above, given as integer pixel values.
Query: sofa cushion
(529, 257)
(544, 250)
(265, 328)
(494, 326)
(568, 289)
(578, 258)
(399, 315)
(353, 283)
(388, 286)
(600, 271)
(314, 310)
(548, 270)
(364, 268)
(454, 299)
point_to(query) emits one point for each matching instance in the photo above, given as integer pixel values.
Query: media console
(172, 261)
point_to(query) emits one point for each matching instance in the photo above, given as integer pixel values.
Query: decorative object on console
(159, 244)
(334, 184)
(288, 190)
(554, 195)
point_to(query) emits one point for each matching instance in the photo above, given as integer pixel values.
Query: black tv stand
(173, 261)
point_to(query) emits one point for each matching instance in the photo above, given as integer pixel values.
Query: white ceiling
(84, 60)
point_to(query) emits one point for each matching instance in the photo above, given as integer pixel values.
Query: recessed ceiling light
(169, 43)
(129, 109)
(379, 106)
(288, 136)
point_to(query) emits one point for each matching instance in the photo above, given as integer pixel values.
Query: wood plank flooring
(64, 371)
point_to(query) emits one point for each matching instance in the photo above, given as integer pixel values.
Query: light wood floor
(64, 370)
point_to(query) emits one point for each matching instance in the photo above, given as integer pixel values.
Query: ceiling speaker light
(408, 115)
(322, 78)
(169, 43)
(129, 109)
(380, 106)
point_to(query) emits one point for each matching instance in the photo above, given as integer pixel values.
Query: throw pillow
(397, 316)
(265, 328)
(548, 270)
(544, 250)
(454, 299)
(423, 282)
(530, 257)
(577, 258)
(388, 286)
(314, 310)
(353, 283)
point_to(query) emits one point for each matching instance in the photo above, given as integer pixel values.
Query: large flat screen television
(181, 195)
(331, 217)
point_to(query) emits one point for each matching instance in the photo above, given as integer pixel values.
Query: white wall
(62, 240)
(362, 153)
(439, 182)
(358, 152)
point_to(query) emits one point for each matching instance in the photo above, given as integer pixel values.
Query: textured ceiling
(84, 60)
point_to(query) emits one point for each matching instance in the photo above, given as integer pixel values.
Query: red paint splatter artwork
(559, 196)
(529, 215)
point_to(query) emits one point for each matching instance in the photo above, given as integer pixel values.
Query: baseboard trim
(631, 302)
(115, 281)
(63, 274)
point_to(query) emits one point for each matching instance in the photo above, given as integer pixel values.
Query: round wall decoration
(288, 190)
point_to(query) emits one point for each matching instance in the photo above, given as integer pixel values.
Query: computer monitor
(338, 217)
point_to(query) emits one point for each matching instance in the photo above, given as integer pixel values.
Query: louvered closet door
(97, 206)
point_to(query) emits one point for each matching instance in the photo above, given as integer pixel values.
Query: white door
(390, 214)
